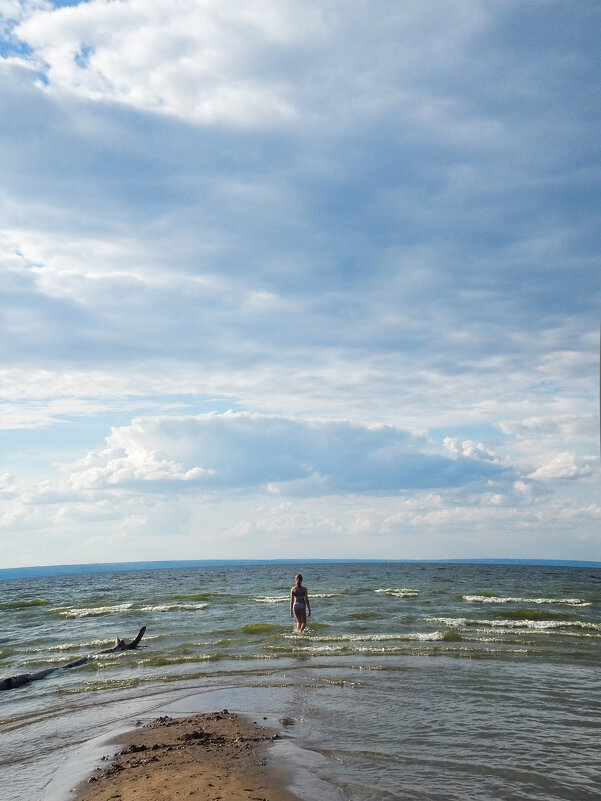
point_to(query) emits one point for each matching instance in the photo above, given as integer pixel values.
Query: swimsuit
(299, 602)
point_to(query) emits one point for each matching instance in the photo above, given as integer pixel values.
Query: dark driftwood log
(124, 645)
(26, 678)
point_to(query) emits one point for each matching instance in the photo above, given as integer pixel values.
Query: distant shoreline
(39, 571)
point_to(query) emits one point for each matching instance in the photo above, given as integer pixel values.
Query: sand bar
(219, 756)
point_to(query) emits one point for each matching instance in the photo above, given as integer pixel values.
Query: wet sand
(218, 756)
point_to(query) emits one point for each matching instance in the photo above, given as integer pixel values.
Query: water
(412, 681)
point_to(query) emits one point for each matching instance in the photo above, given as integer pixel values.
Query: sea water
(411, 681)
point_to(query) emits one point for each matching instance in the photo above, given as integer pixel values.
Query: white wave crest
(400, 592)
(499, 599)
(450, 621)
(93, 611)
(172, 607)
(369, 638)
(277, 599)
(487, 626)
(271, 599)
(543, 625)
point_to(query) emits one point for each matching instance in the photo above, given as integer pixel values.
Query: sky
(286, 279)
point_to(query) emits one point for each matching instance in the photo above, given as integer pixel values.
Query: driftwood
(124, 645)
(26, 678)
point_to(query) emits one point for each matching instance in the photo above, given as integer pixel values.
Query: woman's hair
(298, 578)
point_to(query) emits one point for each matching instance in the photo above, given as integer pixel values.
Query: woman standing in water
(299, 603)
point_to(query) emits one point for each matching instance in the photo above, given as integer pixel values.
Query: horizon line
(35, 571)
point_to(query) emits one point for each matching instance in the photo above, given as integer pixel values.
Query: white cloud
(8, 487)
(197, 61)
(584, 428)
(468, 449)
(566, 465)
(128, 467)
(269, 63)
(290, 456)
(555, 446)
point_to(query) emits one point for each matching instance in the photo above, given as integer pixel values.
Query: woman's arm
(307, 602)
(291, 602)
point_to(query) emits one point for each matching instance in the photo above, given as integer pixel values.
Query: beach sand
(218, 756)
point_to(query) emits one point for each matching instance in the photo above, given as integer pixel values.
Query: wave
(99, 611)
(401, 592)
(546, 625)
(278, 599)
(272, 599)
(89, 645)
(93, 611)
(24, 604)
(311, 627)
(511, 624)
(106, 685)
(172, 607)
(391, 646)
(452, 635)
(262, 628)
(165, 660)
(487, 598)
(359, 638)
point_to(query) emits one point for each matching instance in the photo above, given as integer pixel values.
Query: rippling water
(413, 681)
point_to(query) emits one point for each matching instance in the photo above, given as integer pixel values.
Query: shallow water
(437, 681)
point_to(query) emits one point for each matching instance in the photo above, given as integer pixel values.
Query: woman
(299, 603)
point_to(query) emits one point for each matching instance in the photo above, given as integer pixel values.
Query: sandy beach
(219, 756)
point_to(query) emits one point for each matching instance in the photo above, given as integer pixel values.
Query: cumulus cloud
(241, 450)
(467, 448)
(555, 447)
(566, 465)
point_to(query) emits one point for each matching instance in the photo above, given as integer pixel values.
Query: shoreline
(218, 756)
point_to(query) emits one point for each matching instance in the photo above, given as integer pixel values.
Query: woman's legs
(300, 613)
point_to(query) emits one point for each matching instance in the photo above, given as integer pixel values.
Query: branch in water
(26, 678)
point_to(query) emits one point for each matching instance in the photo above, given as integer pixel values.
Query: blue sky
(286, 279)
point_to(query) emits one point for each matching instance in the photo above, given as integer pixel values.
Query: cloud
(566, 427)
(566, 465)
(242, 451)
(197, 61)
(8, 488)
(555, 447)
(394, 161)
(256, 65)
